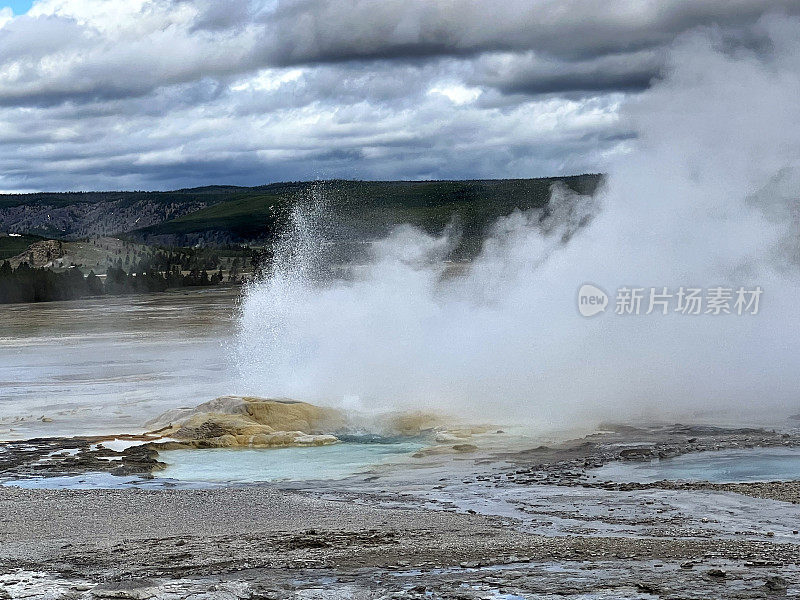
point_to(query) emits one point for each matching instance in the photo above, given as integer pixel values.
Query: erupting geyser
(708, 197)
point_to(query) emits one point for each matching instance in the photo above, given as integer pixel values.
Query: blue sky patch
(18, 6)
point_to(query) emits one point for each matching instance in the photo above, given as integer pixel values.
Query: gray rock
(717, 573)
(775, 583)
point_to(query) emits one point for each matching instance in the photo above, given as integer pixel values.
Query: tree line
(28, 284)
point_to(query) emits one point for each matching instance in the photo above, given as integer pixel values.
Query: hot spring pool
(279, 464)
(722, 466)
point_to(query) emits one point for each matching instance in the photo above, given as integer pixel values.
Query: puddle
(224, 466)
(723, 466)
(280, 464)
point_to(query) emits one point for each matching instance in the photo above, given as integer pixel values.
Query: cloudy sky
(161, 94)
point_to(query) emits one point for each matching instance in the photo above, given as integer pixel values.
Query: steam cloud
(708, 197)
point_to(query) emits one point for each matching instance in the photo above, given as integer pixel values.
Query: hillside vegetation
(11, 245)
(217, 235)
(362, 208)
(222, 215)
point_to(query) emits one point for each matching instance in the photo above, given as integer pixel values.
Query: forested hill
(230, 214)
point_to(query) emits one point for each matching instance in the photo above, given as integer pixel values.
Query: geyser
(707, 197)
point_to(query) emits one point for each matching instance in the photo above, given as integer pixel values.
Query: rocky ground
(525, 524)
(572, 463)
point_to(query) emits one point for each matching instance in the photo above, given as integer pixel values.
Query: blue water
(721, 466)
(281, 464)
(220, 467)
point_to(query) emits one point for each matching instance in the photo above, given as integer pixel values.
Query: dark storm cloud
(308, 31)
(579, 45)
(219, 16)
(529, 74)
(220, 40)
(146, 93)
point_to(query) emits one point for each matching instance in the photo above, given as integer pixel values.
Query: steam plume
(708, 196)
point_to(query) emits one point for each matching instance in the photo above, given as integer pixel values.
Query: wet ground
(532, 523)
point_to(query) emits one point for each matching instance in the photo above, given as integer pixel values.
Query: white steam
(708, 197)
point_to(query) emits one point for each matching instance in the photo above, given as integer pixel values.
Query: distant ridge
(221, 214)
